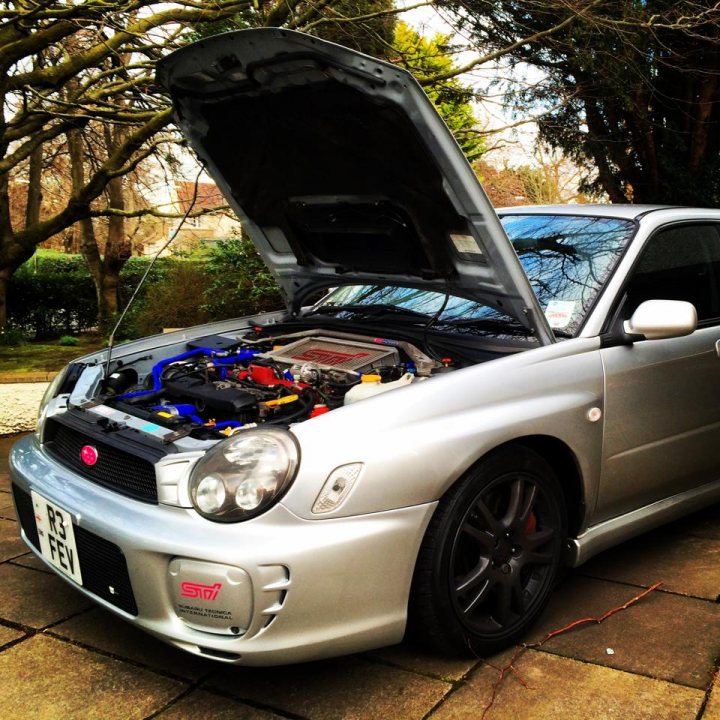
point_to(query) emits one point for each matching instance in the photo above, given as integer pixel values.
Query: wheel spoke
(515, 504)
(535, 543)
(530, 498)
(494, 525)
(481, 537)
(540, 558)
(539, 538)
(479, 596)
(476, 575)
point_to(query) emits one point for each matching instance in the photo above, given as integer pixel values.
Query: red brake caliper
(531, 524)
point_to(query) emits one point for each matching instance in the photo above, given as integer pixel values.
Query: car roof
(624, 211)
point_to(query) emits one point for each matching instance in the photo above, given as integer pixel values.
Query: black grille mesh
(104, 570)
(102, 564)
(115, 469)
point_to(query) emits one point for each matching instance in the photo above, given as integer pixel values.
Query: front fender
(415, 442)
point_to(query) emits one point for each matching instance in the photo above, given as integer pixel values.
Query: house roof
(208, 195)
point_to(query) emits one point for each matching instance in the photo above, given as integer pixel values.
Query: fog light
(210, 494)
(337, 487)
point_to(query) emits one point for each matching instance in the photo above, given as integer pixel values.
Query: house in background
(149, 233)
(205, 229)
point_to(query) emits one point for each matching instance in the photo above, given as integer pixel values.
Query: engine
(219, 386)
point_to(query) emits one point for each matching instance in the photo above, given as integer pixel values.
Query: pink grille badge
(89, 455)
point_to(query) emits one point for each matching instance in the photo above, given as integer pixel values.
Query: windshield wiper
(369, 311)
(488, 325)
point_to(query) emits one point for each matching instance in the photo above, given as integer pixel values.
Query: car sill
(611, 532)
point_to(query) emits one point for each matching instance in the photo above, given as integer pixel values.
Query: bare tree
(631, 89)
(81, 74)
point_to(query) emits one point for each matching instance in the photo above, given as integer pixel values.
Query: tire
(490, 556)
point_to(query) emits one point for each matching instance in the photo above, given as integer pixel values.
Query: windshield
(447, 313)
(567, 259)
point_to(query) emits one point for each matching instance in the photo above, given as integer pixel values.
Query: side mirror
(660, 319)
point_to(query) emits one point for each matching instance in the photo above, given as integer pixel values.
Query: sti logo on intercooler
(328, 357)
(198, 590)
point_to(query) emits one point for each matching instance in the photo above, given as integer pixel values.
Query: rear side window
(680, 263)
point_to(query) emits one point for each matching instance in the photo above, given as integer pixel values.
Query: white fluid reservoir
(371, 385)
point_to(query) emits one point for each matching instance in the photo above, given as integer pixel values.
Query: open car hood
(341, 170)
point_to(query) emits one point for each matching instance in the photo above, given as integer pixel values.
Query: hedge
(53, 296)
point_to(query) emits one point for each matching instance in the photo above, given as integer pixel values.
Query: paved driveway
(62, 658)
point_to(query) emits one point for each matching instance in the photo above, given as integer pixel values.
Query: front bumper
(301, 589)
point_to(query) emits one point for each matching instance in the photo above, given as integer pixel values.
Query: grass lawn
(44, 356)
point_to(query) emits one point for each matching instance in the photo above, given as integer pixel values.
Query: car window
(679, 263)
(567, 259)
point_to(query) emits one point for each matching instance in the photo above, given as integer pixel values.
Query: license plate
(57, 537)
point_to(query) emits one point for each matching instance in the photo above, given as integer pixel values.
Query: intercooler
(334, 353)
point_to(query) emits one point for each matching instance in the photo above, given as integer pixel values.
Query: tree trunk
(117, 242)
(108, 299)
(34, 190)
(5, 275)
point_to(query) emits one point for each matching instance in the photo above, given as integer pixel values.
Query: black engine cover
(229, 401)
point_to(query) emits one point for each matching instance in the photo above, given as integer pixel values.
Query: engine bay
(220, 385)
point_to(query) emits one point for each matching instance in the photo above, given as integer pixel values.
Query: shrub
(173, 301)
(68, 341)
(10, 337)
(239, 282)
(51, 297)
(54, 296)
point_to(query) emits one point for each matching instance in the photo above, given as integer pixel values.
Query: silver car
(454, 403)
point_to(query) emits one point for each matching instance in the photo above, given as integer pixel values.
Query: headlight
(242, 476)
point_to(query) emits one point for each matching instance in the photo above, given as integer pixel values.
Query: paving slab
(8, 634)
(30, 560)
(566, 689)
(705, 523)
(201, 705)
(346, 688)
(6, 442)
(664, 636)
(712, 709)
(685, 564)
(424, 662)
(10, 543)
(36, 599)
(7, 507)
(99, 629)
(45, 678)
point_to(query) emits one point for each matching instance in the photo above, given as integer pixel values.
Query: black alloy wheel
(490, 556)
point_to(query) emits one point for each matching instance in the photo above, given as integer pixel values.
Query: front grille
(115, 469)
(26, 515)
(102, 564)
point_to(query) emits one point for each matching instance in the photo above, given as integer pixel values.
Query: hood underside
(341, 170)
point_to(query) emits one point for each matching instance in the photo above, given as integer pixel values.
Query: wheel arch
(564, 464)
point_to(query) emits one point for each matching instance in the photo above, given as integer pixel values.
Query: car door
(662, 397)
